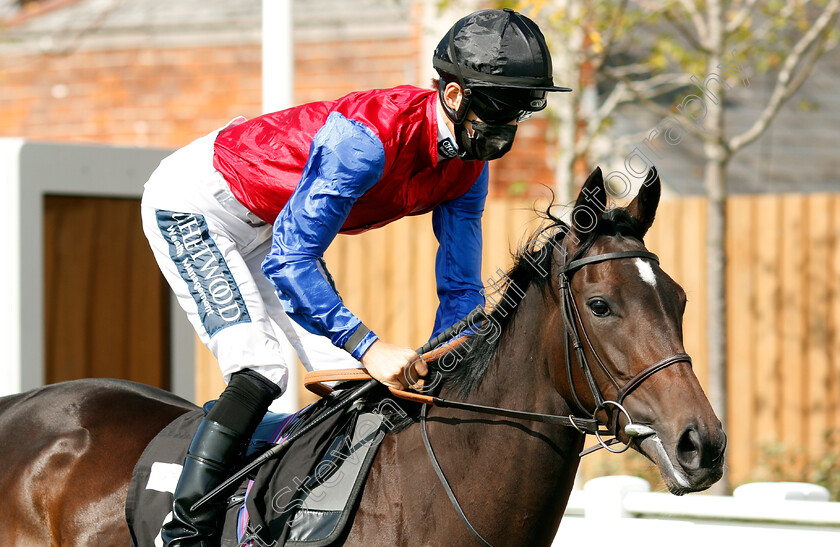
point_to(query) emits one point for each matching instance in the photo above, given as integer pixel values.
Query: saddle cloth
(301, 499)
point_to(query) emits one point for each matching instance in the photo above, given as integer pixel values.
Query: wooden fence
(783, 307)
(784, 313)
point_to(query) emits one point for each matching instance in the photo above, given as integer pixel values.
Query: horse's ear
(643, 207)
(592, 193)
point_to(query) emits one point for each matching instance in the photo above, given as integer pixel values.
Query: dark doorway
(106, 303)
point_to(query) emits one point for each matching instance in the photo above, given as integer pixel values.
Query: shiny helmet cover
(501, 55)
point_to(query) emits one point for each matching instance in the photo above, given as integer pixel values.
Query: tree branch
(696, 18)
(785, 13)
(631, 69)
(645, 98)
(631, 138)
(610, 37)
(740, 17)
(660, 85)
(694, 41)
(596, 122)
(72, 43)
(786, 83)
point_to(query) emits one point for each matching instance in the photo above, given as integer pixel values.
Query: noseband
(576, 333)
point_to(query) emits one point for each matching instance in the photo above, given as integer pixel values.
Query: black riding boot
(212, 450)
(220, 439)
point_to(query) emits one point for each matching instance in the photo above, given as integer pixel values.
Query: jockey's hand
(395, 366)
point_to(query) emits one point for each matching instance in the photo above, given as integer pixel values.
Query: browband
(575, 264)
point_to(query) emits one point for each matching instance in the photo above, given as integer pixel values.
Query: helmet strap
(455, 116)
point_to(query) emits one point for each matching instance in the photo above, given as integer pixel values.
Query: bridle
(575, 334)
(574, 329)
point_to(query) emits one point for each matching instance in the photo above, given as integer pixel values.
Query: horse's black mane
(530, 264)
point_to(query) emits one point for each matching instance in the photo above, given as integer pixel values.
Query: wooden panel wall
(783, 312)
(106, 304)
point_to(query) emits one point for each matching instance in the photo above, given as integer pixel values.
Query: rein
(313, 382)
(575, 336)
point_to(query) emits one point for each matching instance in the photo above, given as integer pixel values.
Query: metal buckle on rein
(633, 431)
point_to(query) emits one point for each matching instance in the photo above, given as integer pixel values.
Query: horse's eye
(599, 307)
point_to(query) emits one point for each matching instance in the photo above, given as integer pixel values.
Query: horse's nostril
(690, 449)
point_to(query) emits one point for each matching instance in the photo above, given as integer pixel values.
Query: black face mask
(488, 141)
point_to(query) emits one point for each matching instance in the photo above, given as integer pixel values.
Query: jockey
(239, 221)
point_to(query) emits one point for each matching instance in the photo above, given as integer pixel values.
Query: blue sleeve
(457, 225)
(345, 160)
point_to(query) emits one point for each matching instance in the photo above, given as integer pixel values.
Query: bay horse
(588, 326)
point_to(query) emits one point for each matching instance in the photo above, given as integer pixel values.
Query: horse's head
(627, 314)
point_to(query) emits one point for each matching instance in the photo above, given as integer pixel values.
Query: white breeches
(210, 248)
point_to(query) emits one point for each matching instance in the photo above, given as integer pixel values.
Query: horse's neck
(522, 372)
(532, 461)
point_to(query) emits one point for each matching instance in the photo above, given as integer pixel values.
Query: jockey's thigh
(316, 352)
(198, 234)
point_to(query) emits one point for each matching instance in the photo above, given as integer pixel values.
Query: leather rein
(575, 334)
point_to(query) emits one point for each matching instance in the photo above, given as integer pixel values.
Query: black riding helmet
(500, 60)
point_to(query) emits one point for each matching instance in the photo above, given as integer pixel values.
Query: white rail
(622, 511)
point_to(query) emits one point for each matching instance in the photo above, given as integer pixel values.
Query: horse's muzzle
(694, 463)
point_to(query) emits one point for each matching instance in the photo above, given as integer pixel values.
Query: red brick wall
(524, 170)
(328, 70)
(168, 97)
(153, 97)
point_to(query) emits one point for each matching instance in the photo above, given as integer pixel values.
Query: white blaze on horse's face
(646, 271)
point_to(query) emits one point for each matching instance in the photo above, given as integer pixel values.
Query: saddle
(302, 499)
